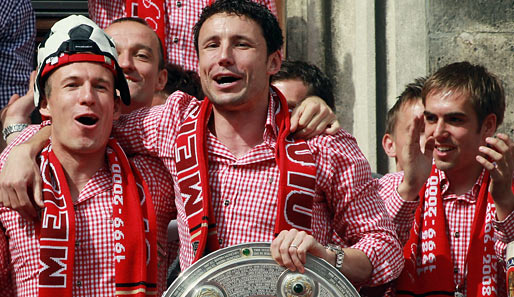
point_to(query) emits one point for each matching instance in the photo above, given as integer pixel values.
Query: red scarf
(428, 263)
(135, 241)
(296, 187)
(153, 12)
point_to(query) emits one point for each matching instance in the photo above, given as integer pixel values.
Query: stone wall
(371, 49)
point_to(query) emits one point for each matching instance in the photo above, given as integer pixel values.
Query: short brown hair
(484, 88)
(411, 94)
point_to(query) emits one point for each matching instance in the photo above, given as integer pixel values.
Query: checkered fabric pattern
(181, 17)
(17, 37)
(94, 271)
(459, 212)
(347, 208)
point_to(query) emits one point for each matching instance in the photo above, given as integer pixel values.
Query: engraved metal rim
(345, 288)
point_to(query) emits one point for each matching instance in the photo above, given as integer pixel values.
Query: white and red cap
(78, 39)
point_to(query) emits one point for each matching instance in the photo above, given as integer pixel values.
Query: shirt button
(456, 270)
(226, 202)
(220, 241)
(77, 244)
(79, 284)
(175, 40)
(457, 234)
(179, 3)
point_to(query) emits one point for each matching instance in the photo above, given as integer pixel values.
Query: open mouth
(87, 120)
(226, 79)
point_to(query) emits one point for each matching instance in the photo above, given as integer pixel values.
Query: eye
(430, 118)
(211, 45)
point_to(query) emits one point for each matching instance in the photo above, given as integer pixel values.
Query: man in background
(407, 107)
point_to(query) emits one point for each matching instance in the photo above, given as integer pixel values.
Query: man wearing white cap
(100, 228)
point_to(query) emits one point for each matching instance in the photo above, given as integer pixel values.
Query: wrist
(9, 130)
(408, 193)
(335, 255)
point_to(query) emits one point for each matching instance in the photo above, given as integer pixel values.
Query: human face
(408, 111)
(234, 66)
(451, 124)
(138, 56)
(294, 90)
(82, 107)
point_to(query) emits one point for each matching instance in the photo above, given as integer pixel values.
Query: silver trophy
(247, 270)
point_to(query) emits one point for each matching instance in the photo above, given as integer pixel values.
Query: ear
(489, 125)
(44, 108)
(388, 145)
(274, 62)
(117, 108)
(162, 79)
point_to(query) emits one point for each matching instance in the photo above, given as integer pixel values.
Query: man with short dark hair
(298, 79)
(238, 175)
(456, 233)
(407, 106)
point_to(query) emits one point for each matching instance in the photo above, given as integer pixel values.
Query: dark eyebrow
(140, 46)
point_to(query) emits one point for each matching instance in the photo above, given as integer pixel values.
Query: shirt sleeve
(24, 135)
(103, 12)
(401, 211)
(7, 288)
(151, 131)
(17, 39)
(360, 218)
(504, 233)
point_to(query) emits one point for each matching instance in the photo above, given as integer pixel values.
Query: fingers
(333, 127)
(290, 249)
(295, 117)
(13, 98)
(497, 156)
(38, 190)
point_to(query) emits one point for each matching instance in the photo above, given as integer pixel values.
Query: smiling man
(228, 158)
(464, 218)
(141, 58)
(238, 174)
(104, 215)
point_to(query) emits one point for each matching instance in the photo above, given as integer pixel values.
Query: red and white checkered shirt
(347, 209)
(181, 17)
(94, 269)
(459, 211)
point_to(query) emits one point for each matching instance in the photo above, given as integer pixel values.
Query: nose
(126, 62)
(87, 95)
(440, 129)
(225, 56)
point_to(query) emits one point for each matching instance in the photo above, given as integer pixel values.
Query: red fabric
(153, 12)
(56, 231)
(64, 59)
(94, 273)
(347, 209)
(428, 265)
(296, 186)
(135, 265)
(180, 20)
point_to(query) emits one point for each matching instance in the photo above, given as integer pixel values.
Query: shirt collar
(469, 196)
(271, 129)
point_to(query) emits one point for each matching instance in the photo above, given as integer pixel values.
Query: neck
(462, 182)
(240, 130)
(78, 168)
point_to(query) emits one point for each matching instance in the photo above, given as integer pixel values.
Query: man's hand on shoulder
(20, 178)
(313, 117)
